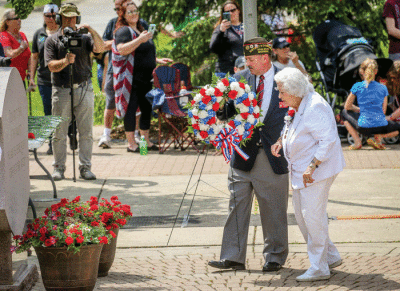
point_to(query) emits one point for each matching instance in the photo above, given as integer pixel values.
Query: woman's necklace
(16, 36)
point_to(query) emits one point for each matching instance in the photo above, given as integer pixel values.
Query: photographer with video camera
(67, 55)
(4, 62)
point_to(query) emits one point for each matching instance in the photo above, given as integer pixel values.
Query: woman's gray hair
(4, 18)
(294, 82)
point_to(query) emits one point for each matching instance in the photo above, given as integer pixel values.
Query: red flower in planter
(69, 240)
(31, 135)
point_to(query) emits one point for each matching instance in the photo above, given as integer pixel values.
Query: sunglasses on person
(50, 16)
(117, 9)
(132, 12)
(14, 18)
(232, 10)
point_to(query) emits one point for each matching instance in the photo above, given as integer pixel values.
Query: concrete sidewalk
(154, 186)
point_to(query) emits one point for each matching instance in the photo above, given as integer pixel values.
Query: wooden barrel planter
(63, 270)
(107, 255)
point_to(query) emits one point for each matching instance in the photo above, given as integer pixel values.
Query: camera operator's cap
(280, 42)
(50, 8)
(240, 62)
(69, 10)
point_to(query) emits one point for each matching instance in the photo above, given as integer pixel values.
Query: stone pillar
(250, 19)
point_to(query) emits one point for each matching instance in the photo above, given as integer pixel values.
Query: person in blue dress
(372, 103)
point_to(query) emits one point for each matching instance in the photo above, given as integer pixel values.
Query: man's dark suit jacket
(269, 132)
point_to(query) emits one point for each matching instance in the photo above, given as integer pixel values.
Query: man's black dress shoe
(225, 264)
(271, 267)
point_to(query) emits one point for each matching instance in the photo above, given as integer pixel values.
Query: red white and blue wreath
(229, 134)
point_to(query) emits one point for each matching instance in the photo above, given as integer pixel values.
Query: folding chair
(168, 80)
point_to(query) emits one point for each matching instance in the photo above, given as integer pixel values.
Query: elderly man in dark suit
(264, 173)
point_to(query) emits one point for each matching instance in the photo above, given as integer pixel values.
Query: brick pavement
(185, 268)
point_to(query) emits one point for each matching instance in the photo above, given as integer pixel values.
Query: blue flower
(190, 114)
(237, 123)
(210, 131)
(202, 106)
(213, 99)
(247, 125)
(251, 109)
(195, 131)
(211, 113)
(205, 120)
(231, 80)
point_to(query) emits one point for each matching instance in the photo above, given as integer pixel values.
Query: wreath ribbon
(228, 140)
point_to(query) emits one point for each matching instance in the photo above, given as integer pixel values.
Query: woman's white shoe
(310, 278)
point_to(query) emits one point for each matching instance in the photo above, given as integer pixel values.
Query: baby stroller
(340, 51)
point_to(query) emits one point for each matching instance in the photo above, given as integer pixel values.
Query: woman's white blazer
(313, 133)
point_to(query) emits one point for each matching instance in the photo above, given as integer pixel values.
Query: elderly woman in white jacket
(311, 145)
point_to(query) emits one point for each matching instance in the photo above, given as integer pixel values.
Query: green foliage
(22, 7)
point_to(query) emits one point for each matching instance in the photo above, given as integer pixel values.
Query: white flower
(198, 136)
(204, 127)
(256, 110)
(240, 129)
(251, 96)
(198, 98)
(235, 86)
(247, 88)
(239, 118)
(251, 119)
(221, 86)
(217, 128)
(209, 106)
(240, 92)
(212, 136)
(219, 99)
(203, 114)
(193, 120)
(242, 108)
(288, 118)
(195, 112)
(210, 91)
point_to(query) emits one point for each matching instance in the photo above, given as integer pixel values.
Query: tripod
(72, 136)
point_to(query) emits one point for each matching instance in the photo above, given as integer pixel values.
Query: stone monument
(14, 177)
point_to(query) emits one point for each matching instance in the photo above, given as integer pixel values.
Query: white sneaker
(105, 142)
(310, 278)
(137, 138)
(335, 264)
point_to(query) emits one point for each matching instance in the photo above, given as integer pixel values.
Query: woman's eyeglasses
(14, 18)
(117, 9)
(50, 16)
(232, 10)
(133, 12)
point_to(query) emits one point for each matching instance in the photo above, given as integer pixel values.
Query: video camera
(5, 62)
(72, 39)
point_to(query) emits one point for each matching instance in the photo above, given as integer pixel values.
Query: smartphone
(226, 15)
(152, 28)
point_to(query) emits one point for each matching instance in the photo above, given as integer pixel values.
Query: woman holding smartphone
(130, 37)
(227, 38)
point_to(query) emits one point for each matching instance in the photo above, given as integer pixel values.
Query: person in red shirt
(391, 13)
(14, 42)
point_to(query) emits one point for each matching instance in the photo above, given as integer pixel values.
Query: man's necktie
(260, 91)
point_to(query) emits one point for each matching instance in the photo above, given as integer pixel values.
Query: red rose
(114, 198)
(232, 94)
(218, 92)
(106, 216)
(113, 234)
(103, 240)
(241, 85)
(51, 241)
(116, 209)
(31, 135)
(250, 133)
(206, 99)
(231, 124)
(196, 126)
(254, 102)
(196, 117)
(94, 207)
(225, 81)
(203, 134)
(108, 227)
(256, 115)
(77, 199)
(121, 221)
(193, 102)
(246, 102)
(80, 239)
(203, 92)
(291, 112)
(93, 200)
(244, 115)
(94, 223)
(212, 121)
(69, 240)
(215, 107)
